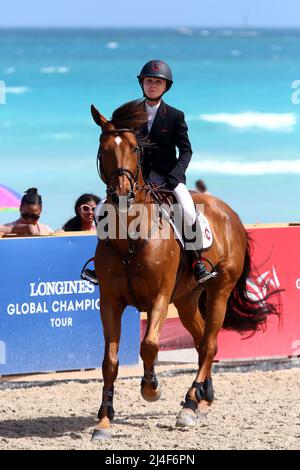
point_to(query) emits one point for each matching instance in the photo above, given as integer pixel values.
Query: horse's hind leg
(192, 320)
(111, 319)
(201, 390)
(150, 389)
(190, 316)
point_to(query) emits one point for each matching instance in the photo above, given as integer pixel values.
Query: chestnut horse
(151, 273)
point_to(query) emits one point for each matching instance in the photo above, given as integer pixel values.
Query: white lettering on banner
(56, 288)
(75, 305)
(58, 322)
(257, 290)
(61, 288)
(24, 309)
(298, 283)
(58, 306)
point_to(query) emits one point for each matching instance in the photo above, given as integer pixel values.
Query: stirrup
(207, 277)
(88, 274)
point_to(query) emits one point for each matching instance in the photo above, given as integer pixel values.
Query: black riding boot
(200, 272)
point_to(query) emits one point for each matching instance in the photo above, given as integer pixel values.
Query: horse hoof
(100, 434)
(186, 419)
(156, 394)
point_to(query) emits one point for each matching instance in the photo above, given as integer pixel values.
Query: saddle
(165, 200)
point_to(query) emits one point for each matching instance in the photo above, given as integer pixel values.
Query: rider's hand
(171, 182)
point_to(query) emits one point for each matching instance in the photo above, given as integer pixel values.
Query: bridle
(120, 171)
(133, 248)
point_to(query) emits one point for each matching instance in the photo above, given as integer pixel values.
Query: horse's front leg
(150, 389)
(111, 315)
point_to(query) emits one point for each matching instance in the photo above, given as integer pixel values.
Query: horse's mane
(131, 115)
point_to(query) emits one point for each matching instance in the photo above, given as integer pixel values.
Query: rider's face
(154, 87)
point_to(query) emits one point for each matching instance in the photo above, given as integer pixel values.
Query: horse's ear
(98, 118)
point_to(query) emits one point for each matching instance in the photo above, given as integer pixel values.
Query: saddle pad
(207, 234)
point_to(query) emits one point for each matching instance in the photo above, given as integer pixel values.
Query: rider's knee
(189, 217)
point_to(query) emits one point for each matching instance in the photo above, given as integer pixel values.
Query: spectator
(201, 187)
(84, 210)
(28, 222)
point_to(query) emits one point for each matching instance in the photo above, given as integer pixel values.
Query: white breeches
(183, 198)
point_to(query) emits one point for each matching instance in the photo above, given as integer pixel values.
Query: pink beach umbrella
(9, 199)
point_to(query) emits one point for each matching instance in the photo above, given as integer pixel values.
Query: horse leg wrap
(208, 390)
(107, 400)
(199, 393)
(152, 380)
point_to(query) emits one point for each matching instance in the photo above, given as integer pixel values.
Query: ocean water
(234, 85)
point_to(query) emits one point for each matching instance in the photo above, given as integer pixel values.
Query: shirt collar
(152, 109)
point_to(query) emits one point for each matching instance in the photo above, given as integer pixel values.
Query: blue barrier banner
(49, 317)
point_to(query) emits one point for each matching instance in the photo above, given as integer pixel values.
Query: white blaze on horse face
(118, 141)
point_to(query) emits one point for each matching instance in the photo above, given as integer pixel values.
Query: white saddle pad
(207, 234)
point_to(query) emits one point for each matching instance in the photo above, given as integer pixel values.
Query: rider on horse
(167, 129)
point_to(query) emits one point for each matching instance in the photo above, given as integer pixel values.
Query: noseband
(120, 171)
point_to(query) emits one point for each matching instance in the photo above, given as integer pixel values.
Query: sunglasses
(85, 208)
(28, 215)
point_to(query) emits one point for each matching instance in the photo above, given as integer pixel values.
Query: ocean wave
(17, 90)
(236, 52)
(226, 32)
(9, 70)
(62, 136)
(249, 33)
(185, 31)
(242, 168)
(268, 121)
(112, 45)
(6, 124)
(50, 70)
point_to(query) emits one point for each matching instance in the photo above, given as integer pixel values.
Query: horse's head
(119, 155)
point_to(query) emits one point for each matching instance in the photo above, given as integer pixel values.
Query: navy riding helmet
(157, 69)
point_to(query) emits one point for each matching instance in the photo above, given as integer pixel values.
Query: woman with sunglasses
(84, 210)
(30, 212)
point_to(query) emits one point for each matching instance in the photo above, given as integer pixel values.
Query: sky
(93, 13)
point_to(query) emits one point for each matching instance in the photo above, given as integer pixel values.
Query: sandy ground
(254, 410)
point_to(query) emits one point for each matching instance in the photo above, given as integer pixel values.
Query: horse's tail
(249, 313)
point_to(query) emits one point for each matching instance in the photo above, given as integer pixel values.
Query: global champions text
(78, 295)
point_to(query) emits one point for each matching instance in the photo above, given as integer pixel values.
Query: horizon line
(248, 27)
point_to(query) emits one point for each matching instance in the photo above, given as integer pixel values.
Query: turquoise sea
(234, 85)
